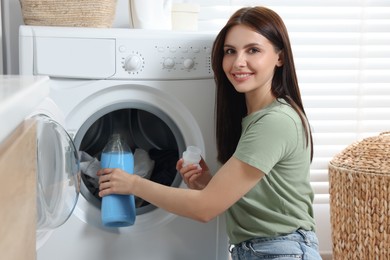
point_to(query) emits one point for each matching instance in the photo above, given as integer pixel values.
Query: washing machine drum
(97, 136)
(146, 134)
(150, 132)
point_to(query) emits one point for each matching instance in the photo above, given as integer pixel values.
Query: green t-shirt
(273, 140)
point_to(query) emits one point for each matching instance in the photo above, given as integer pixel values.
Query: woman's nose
(240, 61)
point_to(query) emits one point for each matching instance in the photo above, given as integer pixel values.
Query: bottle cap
(192, 155)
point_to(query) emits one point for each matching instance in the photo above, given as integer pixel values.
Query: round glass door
(58, 174)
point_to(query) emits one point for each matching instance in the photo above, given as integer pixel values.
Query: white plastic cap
(191, 155)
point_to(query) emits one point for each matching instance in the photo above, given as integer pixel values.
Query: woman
(263, 141)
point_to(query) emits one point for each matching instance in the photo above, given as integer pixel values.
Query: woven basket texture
(359, 188)
(71, 13)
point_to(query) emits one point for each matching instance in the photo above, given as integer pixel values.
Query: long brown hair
(230, 105)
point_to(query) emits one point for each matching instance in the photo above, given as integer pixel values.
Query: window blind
(342, 56)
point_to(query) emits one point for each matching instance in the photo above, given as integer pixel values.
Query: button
(122, 48)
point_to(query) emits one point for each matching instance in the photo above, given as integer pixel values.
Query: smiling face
(249, 61)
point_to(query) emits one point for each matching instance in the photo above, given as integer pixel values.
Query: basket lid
(370, 155)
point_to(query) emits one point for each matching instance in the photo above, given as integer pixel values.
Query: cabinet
(18, 193)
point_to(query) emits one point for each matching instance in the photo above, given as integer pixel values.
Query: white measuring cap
(191, 155)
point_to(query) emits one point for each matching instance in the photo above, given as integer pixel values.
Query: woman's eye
(229, 51)
(254, 50)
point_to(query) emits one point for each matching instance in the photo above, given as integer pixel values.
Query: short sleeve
(267, 140)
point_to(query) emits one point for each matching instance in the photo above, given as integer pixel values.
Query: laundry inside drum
(154, 146)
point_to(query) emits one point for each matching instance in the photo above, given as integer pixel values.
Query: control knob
(188, 63)
(132, 63)
(168, 63)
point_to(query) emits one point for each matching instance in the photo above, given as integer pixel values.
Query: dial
(188, 63)
(133, 63)
(169, 63)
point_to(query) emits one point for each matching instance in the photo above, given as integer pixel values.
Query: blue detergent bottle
(118, 210)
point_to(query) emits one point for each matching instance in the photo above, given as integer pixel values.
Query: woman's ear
(281, 59)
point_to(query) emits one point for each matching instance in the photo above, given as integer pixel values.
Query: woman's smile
(241, 76)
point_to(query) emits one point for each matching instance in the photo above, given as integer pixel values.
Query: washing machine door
(58, 177)
(58, 174)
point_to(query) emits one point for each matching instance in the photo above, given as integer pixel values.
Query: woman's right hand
(196, 178)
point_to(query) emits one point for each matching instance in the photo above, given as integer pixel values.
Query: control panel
(116, 53)
(159, 58)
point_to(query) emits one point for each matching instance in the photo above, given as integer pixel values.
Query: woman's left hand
(115, 181)
(195, 177)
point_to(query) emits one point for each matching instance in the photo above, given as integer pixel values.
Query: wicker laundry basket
(359, 179)
(72, 13)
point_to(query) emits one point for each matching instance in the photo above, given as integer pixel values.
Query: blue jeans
(298, 245)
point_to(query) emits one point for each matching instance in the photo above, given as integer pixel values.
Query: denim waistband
(300, 235)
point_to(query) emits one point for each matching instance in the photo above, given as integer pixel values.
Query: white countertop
(19, 96)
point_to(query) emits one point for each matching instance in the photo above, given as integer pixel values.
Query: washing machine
(156, 89)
